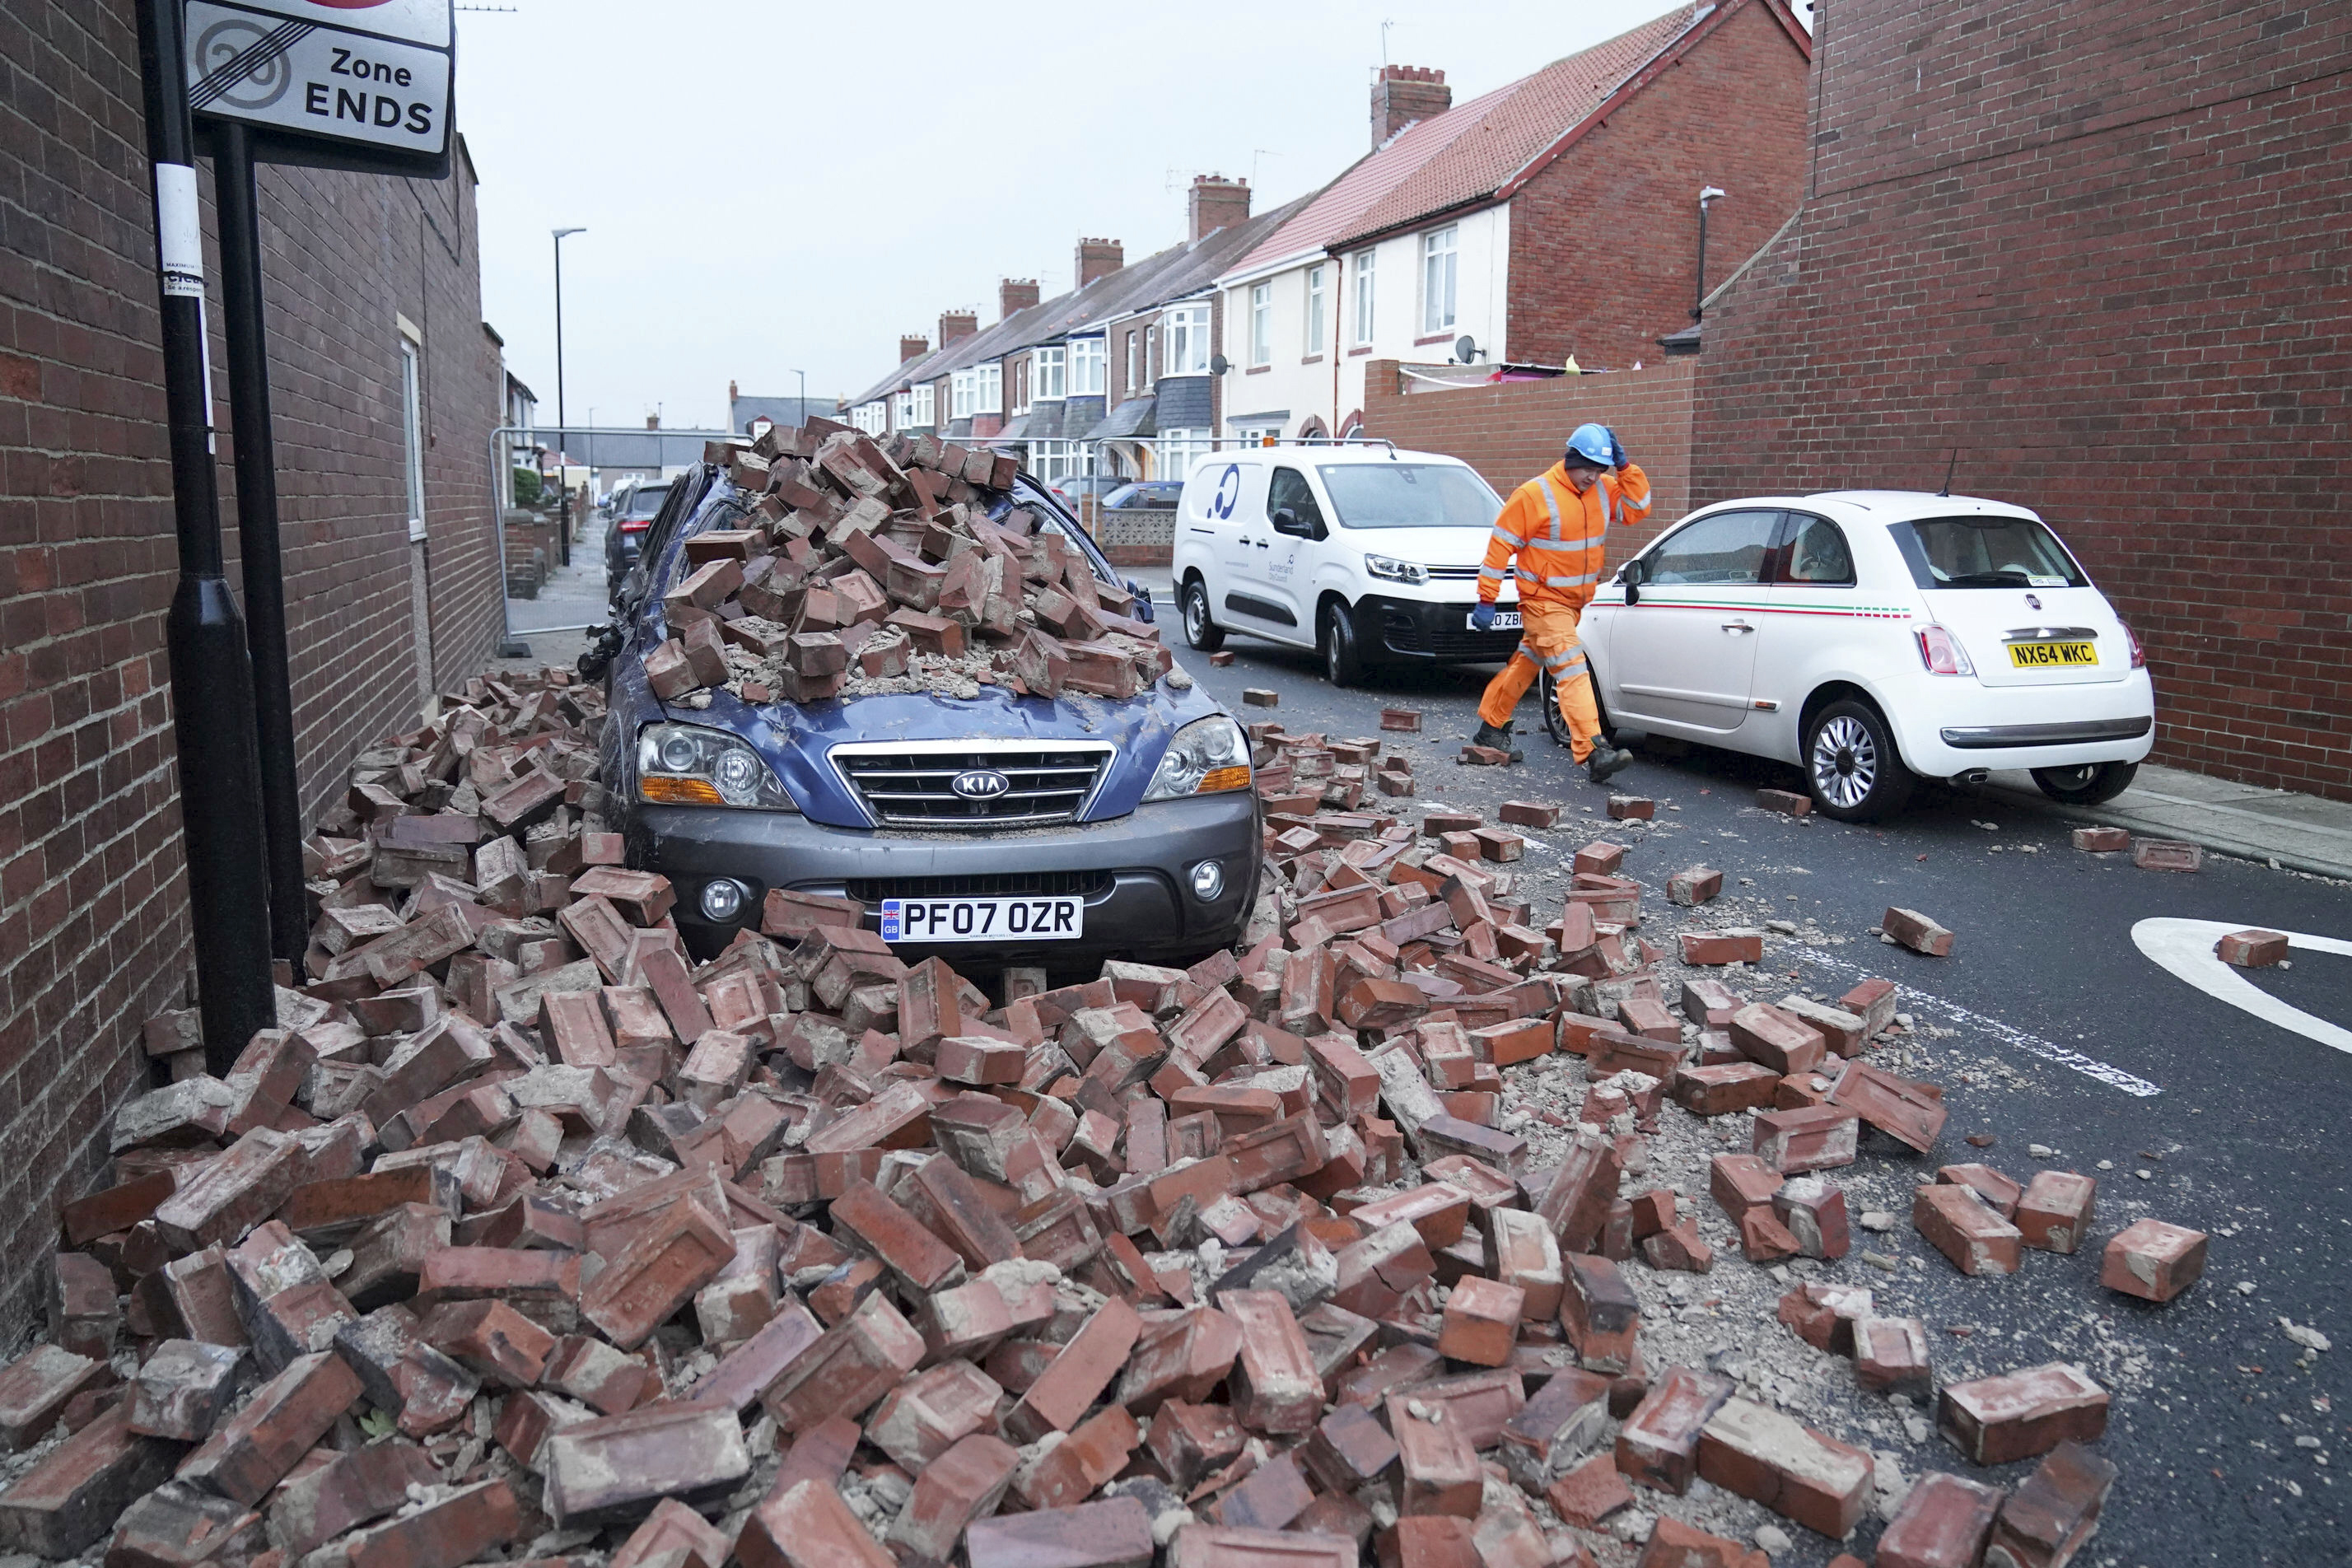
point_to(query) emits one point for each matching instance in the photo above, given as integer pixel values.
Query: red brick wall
(2102, 250)
(1604, 243)
(1510, 431)
(93, 922)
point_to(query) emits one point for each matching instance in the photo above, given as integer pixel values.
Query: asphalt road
(2046, 1026)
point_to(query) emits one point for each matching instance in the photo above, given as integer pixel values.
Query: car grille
(1450, 574)
(1013, 885)
(911, 785)
(1410, 634)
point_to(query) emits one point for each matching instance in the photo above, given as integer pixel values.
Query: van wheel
(1200, 632)
(1342, 660)
(2090, 783)
(1852, 767)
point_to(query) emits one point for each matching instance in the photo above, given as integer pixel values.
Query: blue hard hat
(1591, 443)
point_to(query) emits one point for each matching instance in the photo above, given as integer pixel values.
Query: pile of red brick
(855, 557)
(524, 1236)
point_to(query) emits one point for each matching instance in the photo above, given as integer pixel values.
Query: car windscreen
(1985, 553)
(1409, 495)
(646, 501)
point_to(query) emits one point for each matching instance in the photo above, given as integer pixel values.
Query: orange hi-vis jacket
(1557, 535)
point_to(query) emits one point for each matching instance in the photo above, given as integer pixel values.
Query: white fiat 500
(1872, 638)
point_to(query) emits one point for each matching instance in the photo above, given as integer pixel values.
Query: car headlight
(686, 765)
(1206, 756)
(1392, 570)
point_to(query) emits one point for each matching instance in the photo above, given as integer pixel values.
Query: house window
(988, 396)
(1021, 387)
(1086, 367)
(1364, 295)
(1314, 310)
(1261, 323)
(1437, 258)
(960, 393)
(906, 409)
(1178, 449)
(1046, 376)
(1051, 462)
(1187, 341)
(1135, 363)
(412, 420)
(920, 415)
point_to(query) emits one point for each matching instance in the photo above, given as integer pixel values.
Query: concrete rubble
(525, 1237)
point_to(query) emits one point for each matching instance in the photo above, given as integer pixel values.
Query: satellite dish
(1464, 348)
(1219, 364)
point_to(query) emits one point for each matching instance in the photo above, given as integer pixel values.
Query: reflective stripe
(1636, 503)
(1491, 574)
(1525, 652)
(1552, 500)
(1558, 661)
(1576, 582)
(1506, 536)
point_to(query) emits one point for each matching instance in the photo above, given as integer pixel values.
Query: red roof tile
(1473, 150)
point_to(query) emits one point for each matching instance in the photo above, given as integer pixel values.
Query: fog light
(723, 899)
(1208, 879)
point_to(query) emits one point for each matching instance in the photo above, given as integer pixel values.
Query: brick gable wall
(93, 913)
(1604, 243)
(2102, 251)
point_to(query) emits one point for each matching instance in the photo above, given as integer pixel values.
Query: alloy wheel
(1844, 760)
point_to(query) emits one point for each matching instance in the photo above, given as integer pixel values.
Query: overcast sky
(768, 187)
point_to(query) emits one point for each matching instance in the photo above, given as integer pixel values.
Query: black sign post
(212, 682)
(361, 85)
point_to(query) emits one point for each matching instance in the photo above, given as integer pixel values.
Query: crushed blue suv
(1014, 829)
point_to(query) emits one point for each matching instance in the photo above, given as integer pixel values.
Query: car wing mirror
(1634, 574)
(1286, 520)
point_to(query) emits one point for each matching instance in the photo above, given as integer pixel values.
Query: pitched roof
(1169, 274)
(1478, 150)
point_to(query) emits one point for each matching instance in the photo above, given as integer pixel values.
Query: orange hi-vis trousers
(1547, 641)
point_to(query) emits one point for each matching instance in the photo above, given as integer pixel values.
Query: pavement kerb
(2219, 828)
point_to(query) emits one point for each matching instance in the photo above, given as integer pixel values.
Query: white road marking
(2186, 949)
(2009, 1034)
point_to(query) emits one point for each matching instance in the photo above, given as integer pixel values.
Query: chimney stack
(1402, 94)
(912, 348)
(954, 324)
(1015, 295)
(1216, 203)
(653, 421)
(1099, 259)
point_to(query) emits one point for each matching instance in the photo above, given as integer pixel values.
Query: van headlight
(1206, 756)
(1389, 568)
(686, 765)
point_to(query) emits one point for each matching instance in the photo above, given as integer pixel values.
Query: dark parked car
(1146, 494)
(1032, 831)
(634, 511)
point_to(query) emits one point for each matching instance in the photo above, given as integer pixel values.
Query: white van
(1365, 553)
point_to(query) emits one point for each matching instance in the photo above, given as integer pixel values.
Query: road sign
(361, 84)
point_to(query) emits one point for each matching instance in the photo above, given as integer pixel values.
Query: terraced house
(1557, 215)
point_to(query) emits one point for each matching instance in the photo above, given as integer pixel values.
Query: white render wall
(1331, 385)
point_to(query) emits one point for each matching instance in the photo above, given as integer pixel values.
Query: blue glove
(1482, 617)
(1617, 459)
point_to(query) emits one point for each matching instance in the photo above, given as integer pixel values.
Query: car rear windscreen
(1409, 495)
(1985, 553)
(647, 500)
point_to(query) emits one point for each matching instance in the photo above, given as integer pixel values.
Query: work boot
(1498, 737)
(1606, 762)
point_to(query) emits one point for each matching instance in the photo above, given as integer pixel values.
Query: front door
(1685, 656)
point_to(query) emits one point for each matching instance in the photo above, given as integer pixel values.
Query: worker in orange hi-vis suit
(1555, 524)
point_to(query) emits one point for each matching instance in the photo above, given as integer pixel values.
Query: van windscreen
(1409, 495)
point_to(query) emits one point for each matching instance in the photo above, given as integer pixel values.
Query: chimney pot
(1402, 94)
(1099, 259)
(1013, 295)
(955, 324)
(911, 347)
(1216, 203)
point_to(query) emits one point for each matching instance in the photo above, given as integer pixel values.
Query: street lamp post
(563, 441)
(804, 399)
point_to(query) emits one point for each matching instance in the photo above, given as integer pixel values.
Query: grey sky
(768, 187)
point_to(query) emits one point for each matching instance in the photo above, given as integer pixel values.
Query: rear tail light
(1941, 652)
(2139, 654)
(636, 524)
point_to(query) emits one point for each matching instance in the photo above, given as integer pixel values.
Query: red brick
(2056, 1210)
(1765, 1456)
(961, 1485)
(74, 1493)
(34, 1388)
(2054, 1510)
(1437, 1468)
(2153, 1259)
(248, 1455)
(1115, 1533)
(457, 1529)
(1943, 1523)
(808, 1526)
(673, 1527)
(1275, 1388)
(610, 1469)
(2018, 1415)
(1957, 1223)
(856, 1361)
(1658, 1444)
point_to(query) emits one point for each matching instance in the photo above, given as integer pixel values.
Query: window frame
(1092, 356)
(925, 412)
(988, 395)
(1135, 366)
(1365, 320)
(1440, 247)
(1261, 332)
(1049, 374)
(412, 422)
(1187, 349)
(1317, 300)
